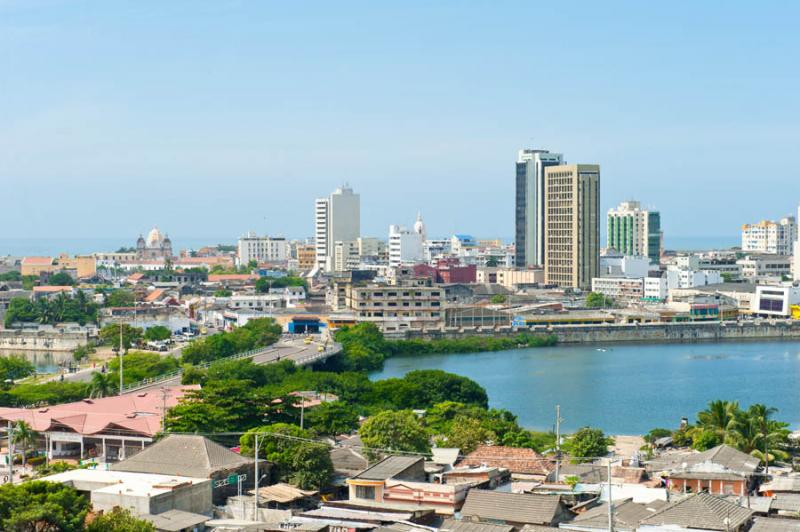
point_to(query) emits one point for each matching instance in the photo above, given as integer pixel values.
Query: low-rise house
(402, 480)
(141, 493)
(786, 504)
(452, 525)
(523, 463)
(627, 516)
(722, 470)
(787, 484)
(282, 496)
(765, 524)
(108, 428)
(195, 456)
(176, 521)
(699, 511)
(514, 509)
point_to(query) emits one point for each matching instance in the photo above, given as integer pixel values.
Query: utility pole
(610, 501)
(10, 453)
(120, 358)
(255, 501)
(558, 443)
(302, 411)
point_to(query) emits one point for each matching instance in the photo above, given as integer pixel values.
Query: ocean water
(625, 389)
(21, 247)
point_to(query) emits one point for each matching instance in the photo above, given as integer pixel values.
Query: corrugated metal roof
(511, 507)
(451, 525)
(188, 455)
(701, 510)
(765, 524)
(389, 467)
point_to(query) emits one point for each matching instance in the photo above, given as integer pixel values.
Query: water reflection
(44, 361)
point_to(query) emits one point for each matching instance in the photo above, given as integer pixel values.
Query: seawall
(611, 333)
(21, 340)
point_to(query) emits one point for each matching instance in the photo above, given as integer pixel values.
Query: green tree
(195, 416)
(755, 432)
(656, 434)
(61, 279)
(193, 375)
(25, 437)
(393, 431)
(332, 418)
(703, 440)
(586, 444)
(14, 367)
(498, 299)
(467, 434)
(102, 384)
(13, 275)
(157, 333)
(305, 464)
(223, 292)
(120, 298)
(41, 506)
(597, 300)
(718, 418)
(140, 365)
(109, 335)
(119, 520)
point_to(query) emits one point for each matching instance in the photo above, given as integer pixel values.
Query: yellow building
(796, 312)
(84, 266)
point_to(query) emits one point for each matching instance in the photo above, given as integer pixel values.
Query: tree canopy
(256, 333)
(586, 444)
(61, 308)
(38, 505)
(398, 430)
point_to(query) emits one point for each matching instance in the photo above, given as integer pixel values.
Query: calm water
(626, 389)
(44, 361)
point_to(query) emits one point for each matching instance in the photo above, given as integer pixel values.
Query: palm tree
(25, 436)
(755, 432)
(101, 385)
(718, 418)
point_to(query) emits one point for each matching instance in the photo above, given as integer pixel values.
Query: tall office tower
(775, 238)
(796, 258)
(337, 219)
(321, 231)
(572, 225)
(635, 231)
(529, 238)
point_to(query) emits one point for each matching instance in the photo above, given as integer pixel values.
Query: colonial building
(157, 246)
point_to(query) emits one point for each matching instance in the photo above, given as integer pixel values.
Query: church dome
(154, 238)
(419, 225)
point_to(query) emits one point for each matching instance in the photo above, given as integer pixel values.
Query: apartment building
(572, 225)
(411, 303)
(262, 249)
(776, 238)
(635, 231)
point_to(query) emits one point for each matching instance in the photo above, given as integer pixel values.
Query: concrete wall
(194, 498)
(41, 341)
(659, 332)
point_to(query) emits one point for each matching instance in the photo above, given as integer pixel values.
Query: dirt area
(626, 446)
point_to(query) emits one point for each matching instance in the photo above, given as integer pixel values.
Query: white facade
(765, 266)
(775, 300)
(262, 249)
(407, 246)
(635, 231)
(655, 288)
(767, 236)
(345, 256)
(620, 289)
(321, 230)
(617, 265)
(679, 278)
(436, 248)
(337, 219)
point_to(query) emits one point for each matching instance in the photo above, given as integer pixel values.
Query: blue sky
(213, 118)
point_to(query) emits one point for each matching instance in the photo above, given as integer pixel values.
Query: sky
(213, 118)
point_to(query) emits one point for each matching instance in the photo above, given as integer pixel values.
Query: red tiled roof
(515, 459)
(37, 261)
(154, 295)
(135, 276)
(52, 289)
(140, 413)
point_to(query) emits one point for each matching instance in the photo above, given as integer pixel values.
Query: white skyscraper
(337, 219)
(529, 241)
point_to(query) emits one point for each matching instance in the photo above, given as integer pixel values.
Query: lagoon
(628, 388)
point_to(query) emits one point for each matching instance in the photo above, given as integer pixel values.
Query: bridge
(298, 351)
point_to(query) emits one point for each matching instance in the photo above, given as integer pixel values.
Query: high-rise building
(770, 237)
(529, 222)
(572, 225)
(406, 246)
(635, 231)
(337, 219)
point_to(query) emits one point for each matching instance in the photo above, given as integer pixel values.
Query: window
(365, 492)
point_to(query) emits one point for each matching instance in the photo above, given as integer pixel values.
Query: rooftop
(133, 484)
(389, 467)
(515, 459)
(175, 520)
(195, 456)
(701, 510)
(138, 413)
(511, 507)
